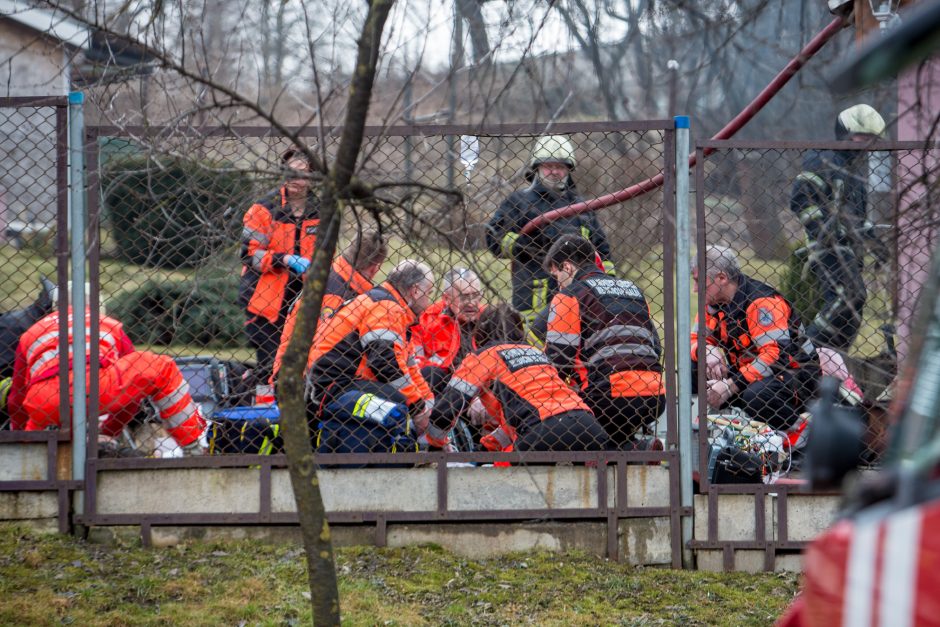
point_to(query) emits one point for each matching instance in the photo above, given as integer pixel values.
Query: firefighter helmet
(860, 119)
(553, 149)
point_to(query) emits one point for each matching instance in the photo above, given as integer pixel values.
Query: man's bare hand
(719, 391)
(477, 413)
(716, 366)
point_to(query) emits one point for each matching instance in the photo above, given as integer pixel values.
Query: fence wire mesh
(202, 250)
(205, 240)
(813, 256)
(32, 150)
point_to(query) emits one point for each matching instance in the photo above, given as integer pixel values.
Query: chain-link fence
(33, 186)
(205, 239)
(200, 242)
(806, 252)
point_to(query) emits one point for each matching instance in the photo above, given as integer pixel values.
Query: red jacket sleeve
(18, 387)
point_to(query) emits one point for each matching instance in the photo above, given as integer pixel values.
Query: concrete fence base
(483, 512)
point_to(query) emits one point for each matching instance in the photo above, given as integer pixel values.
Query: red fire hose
(730, 129)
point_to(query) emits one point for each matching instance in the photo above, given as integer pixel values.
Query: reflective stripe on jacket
(269, 232)
(602, 324)
(519, 376)
(760, 333)
(368, 339)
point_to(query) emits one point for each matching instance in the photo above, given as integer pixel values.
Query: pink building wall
(918, 108)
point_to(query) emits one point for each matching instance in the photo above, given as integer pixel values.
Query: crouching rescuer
(540, 411)
(126, 378)
(364, 380)
(603, 341)
(757, 355)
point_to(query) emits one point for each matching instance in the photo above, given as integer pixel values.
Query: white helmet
(553, 149)
(860, 119)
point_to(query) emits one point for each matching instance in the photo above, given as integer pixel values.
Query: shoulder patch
(764, 317)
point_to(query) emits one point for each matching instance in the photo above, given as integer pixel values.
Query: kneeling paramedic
(544, 412)
(126, 377)
(757, 355)
(603, 341)
(363, 379)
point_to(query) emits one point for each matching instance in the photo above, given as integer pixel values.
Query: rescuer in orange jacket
(602, 339)
(365, 345)
(126, 377)
(350, 276)
(757, 354)
(278, 239)
(545, 412)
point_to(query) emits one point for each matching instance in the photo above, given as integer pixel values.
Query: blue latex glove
(296, 263)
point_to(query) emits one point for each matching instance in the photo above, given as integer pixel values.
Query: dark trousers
(839, 274)
(265, 337)
(570, 431)
(776, 400)
(622, 417)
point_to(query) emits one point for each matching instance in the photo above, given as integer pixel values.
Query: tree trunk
(321, 570)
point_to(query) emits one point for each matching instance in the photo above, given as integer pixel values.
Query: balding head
(414, 280)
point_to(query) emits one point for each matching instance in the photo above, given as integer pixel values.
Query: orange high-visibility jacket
(602, 324)
(269, 233)
(37, 355)
(519, 376)
(368, 339)
(436, 337)
(343, 283)
(759, 332)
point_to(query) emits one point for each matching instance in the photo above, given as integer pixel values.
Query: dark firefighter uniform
(532, 286)
(343, 283)
(270, 233)
(546, 414)
(600, 336)
(364, 346)
(830, 197)
(773, 365)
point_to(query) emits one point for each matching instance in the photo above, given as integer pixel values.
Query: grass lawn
(51, 580)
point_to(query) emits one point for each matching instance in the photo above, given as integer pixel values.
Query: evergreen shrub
(203, 312)
(172, 212)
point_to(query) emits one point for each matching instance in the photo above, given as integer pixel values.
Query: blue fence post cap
(76, 97)
(682, 121)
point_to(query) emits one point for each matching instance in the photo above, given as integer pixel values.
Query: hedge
(200, 313)
(172, 213)
(800, 286)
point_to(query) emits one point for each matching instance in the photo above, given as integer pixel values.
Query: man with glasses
(443, 336)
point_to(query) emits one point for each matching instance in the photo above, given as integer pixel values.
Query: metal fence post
(77, 211)
(684, 326)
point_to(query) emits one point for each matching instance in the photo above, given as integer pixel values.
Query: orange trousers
(122, 386)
